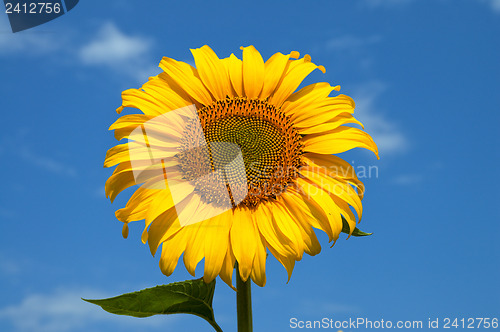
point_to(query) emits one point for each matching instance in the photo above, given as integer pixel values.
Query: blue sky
(424, 75)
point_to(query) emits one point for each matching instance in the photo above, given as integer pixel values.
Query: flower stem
(243, 303)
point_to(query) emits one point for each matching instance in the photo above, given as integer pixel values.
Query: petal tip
(125, 230)
(294, 54)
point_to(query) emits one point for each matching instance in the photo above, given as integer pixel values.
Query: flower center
(241, 134)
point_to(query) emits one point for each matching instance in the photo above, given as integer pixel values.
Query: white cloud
(15, 145)
(64, 310)
(114, 49)
(386, 133)
(60, 311)
(7, 265)
(47, 163)
(352, 48)
(109, 48)
(32, 42)
(350, 42)
(495, 4)
(100, 192)
(35, 43)
(407, 179)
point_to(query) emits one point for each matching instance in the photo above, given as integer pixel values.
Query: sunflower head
(233, 162)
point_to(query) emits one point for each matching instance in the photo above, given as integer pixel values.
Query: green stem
(243, 303)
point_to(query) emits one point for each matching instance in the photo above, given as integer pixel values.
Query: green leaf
(355, 232)
(186, 297)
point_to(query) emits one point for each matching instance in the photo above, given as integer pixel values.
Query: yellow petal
(194, 247)
(117, 183)
(339, 140)
(303, 208)
(156, 96)
(311, 244)
(216, 232)
(162, 202)
(275, 67)
(268, 230)
(121, 179)
(287, 230)
(297, 71)
(253, 72)
(288, 261)
(162, 228)
(199, 236)
(125, 230)
(335, 167)
(235, 67)
(322, 111)
(137, 151)
(212, 71)
(336, 187)
(137, 205)
(187, 78)
(171, 95)
(243, 241)
(187, 209)
(226, 62)
(131, 121)
(325, 202)
(117, 154)
(141, 100)
(339, 120)
(173, 219)
(172, 250)
(226, 272)
(343, 209)
(307, 97)
(145, 139)
(258, 274)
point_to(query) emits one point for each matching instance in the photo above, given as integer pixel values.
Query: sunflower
(233, 162)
